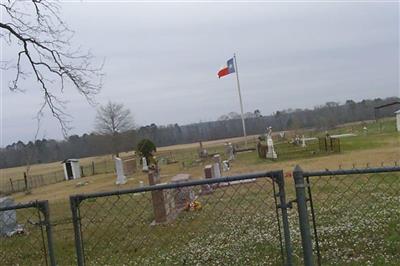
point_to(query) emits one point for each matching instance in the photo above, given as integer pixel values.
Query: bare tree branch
(44, 41)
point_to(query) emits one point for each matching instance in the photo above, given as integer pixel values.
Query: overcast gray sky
(162, 60)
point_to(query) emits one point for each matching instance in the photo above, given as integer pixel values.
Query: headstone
(208, 171)
(271, 154)
(129, 164)
(183, 195)
(303, 142)
(398, 120)
(229, 151)
(203, 153)
(262, 150)
(217, 165)
(145, 167)
(226, 166)
(365, 130)
(121, 178)
(161, 207)
(8, 219)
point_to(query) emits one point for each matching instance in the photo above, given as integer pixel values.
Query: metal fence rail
(349, 216)
(230, 220)
(343, 217)
(25, 235)
(25, 183)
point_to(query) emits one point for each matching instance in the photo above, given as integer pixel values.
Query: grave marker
(8, 219)
(303, 142)
(163, 205)
(271, 154)
(217, 166)
(229, 151)
(208, 171)
(183, 195)
(129, 164)
(121, 178)
(145, 167)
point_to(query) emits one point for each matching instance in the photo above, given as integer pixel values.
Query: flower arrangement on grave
(194, 206)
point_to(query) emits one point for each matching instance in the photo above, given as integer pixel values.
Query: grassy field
(357, 217)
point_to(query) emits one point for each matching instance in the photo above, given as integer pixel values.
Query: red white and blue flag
(228, 69)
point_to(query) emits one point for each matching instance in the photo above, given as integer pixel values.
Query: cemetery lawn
(360, 151)
(380, 145)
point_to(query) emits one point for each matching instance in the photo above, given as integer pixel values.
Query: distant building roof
(397, 112)
(386, 105)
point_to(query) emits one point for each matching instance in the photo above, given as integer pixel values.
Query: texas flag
(228, 69)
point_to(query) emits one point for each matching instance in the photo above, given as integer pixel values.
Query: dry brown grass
(17, 172)
(105, 182)
(210, 143)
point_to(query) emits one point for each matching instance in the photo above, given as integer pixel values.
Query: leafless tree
(113, 119)
(44, 53)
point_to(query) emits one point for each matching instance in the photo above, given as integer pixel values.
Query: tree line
(325, 116)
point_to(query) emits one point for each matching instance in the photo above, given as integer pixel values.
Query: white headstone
(121, 178)
(271, 154)
(225, 166)
(217, 170)
(145, 166)
(365, 129)
(303, 142)
(397, 120)
(8, 219)
(231, 154)
(217, 165)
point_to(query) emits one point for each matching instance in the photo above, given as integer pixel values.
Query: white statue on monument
(271, 154)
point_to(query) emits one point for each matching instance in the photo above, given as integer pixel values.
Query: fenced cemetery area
(340, 209)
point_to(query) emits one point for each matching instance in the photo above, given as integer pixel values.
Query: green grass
(236, 225)
(357, 219)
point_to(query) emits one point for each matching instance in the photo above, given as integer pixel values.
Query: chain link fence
(350, 217)
(343, 217)
(230, 221)
(25, 234)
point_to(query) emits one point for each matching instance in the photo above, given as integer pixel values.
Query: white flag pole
(240, 98)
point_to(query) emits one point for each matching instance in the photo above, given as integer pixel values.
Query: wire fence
(26, 183)
(95, 168)
(25, 233)
(343, 217)
(354, 216)
(225, 221)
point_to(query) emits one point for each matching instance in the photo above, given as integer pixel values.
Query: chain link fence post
(74, 203)
(303, 216)
(280, 180)
(44, 208)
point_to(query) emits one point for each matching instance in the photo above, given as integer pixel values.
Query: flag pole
(240, 98)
